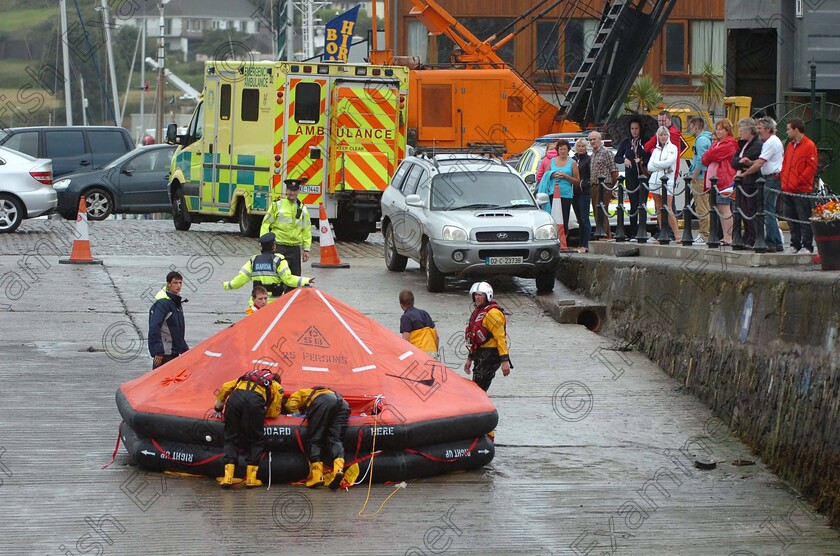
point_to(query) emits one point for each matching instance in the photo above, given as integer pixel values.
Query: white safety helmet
(481, 287)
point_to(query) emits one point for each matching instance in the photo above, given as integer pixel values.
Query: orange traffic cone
(81, 245)
(328, 253)
(561, 233)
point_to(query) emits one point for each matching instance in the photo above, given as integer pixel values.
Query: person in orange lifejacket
(327, 414)
(486, 338)
(247, 401)
(259, 299)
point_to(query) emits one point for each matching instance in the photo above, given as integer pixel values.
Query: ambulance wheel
(249, 224)
(179, 217)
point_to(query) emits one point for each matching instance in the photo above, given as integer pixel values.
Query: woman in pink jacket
(716, 159)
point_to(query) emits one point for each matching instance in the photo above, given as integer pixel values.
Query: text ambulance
(340, 127)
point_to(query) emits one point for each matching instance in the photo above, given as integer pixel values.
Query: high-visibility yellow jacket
(228, 387)
(289, 222)
(269, 269)
(300, 401)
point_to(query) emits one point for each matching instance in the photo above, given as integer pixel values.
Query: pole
(290, 30)
(274, 34)
(143, 78)
(84, 100)
(159, 102)
(814, 102)
(106, 20)
(310, 30)
(68, 105)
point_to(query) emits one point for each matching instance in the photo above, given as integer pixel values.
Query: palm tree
(645, 93)
(711, 86)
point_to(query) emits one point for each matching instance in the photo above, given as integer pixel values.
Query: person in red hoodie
(799, 169)
(664, 119)
(716, 159)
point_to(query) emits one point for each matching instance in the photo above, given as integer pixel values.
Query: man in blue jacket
(166, 322)
(702, 142)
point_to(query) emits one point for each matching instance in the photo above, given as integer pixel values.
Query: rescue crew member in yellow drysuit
(247, 401)
(288, 219)
(486, 337)
(327, 414)
(269, 270)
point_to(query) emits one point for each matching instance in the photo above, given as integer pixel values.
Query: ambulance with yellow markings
(340, 128)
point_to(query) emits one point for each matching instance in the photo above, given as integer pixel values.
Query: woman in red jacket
(716, 159)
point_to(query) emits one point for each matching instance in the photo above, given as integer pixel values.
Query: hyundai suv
(465, 216)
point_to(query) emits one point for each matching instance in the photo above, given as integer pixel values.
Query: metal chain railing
(689, 212)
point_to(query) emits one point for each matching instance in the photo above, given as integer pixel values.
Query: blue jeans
(772, 235)
(581, 203)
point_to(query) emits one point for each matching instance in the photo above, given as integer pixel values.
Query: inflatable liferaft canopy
(423, 417)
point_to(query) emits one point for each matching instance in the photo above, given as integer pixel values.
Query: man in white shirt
(769, 163)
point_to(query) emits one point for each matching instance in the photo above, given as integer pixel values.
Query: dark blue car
(134, 183)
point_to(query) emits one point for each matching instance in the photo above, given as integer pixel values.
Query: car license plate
(502, 260)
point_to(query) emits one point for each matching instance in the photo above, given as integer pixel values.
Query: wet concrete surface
(588, 447)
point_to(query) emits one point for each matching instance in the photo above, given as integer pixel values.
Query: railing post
(641, 231)
(619, 212)
(664, 238)
(687, 235)
(599, 212)
(714, 217)
(760, 244)
(737, 238)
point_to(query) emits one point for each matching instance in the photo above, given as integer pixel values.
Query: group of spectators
(756, 153)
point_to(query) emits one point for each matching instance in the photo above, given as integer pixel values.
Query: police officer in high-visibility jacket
(327, 414)
(486, 337)
(246, 401)
(288, 219)
(268, 269)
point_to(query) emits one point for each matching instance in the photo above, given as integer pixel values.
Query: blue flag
(339, 31)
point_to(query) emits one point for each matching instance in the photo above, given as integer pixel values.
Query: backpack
(264, 378)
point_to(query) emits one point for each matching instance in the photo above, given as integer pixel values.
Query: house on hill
(185, 22)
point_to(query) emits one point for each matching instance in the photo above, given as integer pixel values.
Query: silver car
(467, 215)
(26, 189)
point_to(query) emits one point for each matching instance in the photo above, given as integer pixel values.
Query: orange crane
(481, 101)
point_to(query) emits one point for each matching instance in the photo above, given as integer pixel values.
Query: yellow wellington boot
(316, 475)
(338, 471)
(251, 480)
(227, 480)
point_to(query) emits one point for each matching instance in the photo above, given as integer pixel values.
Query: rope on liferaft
(442, 460)
(116, 448)
(370, 479)
(170, 458)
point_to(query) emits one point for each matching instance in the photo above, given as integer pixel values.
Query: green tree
(644, 93)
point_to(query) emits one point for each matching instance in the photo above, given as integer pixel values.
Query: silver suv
(467, 215)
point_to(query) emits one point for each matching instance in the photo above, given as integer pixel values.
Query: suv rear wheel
(393, 260)
(435, 279)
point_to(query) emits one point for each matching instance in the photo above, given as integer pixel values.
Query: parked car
(72, 149)
(466, 216)
(134, 183)
(25, 188)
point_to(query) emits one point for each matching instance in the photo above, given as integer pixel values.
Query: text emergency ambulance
(341, 127)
